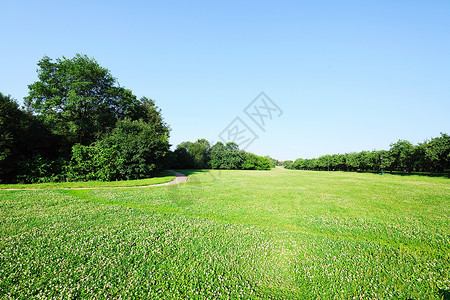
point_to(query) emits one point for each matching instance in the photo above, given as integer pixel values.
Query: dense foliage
(79, 124)
(133, 150)
(28, 150)
(190, 155)
(200, 155)
(430, 156)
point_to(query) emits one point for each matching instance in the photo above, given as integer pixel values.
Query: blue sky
(348, 75)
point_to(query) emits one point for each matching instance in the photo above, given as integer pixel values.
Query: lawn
(232, 234)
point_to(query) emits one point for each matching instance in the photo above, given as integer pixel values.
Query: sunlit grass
(232, 234)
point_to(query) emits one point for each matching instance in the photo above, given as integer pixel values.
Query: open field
(232, 234)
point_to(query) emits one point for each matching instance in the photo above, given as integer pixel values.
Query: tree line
(431, 156)
(78, 123)
(201, 155)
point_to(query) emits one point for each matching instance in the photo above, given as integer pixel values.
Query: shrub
(255, 162)
(132, 150)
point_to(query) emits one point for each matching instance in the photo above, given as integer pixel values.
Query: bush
(38, 169)
(94, 163)
(255, 162)
(133, 150)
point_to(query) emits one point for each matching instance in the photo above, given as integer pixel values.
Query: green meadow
(280, 234)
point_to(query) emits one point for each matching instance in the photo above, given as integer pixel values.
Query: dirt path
(179, 178)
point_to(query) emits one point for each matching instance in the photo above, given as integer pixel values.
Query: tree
(434, 155)
(373, 160)
(227, 156)
(351, 161)
(201, 151)
(401, 154)
(288, 164)
(338, 162)
(28, 150)
(299, 164)
(218, 156)
(273, 162)
(80, 100)
(195, 155)
(182, 159)
(11, 119)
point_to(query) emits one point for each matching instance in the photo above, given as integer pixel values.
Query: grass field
(232, 234)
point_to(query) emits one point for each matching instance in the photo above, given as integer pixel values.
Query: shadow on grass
(444, 174)
(213, 175)
(191, 171)
(162, 174)
(444, 294)
(427, 174)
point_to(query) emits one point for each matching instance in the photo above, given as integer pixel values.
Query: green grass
(164, 177)
(232, 234)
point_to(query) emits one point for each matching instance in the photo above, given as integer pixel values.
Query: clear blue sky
(348, 75)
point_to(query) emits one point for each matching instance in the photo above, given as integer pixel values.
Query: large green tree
(106, 130)
(81, 100)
